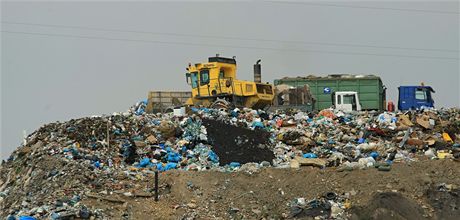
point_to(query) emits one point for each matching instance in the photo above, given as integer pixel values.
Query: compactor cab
(214, 84)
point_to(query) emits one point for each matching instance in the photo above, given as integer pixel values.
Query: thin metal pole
(108, 133)
(156, 185)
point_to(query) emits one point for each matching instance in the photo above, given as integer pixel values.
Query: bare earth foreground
(408, 191)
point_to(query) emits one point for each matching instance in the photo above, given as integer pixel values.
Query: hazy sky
(53, 70)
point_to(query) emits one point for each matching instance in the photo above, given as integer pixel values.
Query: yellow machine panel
(215, 82)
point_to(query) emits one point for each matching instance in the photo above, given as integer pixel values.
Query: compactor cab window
(204, 77)
(194, 78)
(221, 74)
(420, 94)
(264, 89)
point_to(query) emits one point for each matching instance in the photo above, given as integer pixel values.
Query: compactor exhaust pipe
(257, 72)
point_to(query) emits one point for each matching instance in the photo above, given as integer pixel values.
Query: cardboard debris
(294, 164)
(415, 142)
(317, 162)
(433, 115)
(152, 139)
(424, 121)
(430, 141)
(404, 120)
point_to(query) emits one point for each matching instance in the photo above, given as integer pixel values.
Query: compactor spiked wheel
(221, 104)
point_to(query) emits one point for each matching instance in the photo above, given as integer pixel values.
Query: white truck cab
(346, 101)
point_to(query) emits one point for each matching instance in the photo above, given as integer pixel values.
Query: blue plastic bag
(213, 157)
(145, 162)
(173, 157)
(258, 124)
(310, 155)
(25, 217)
(126, 148)
(117, 131)
(234, 164)
(160, 166)
(170, 166)
(141, 108)
(74, 151)
(374, 154)
(97, 164)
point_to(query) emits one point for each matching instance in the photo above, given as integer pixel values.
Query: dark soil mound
(445, 203)
(389, 205)
(236, 144)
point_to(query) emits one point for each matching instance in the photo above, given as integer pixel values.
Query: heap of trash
(73, 159)
(328, 206)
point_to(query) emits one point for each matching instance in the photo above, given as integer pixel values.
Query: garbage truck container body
(370, 89)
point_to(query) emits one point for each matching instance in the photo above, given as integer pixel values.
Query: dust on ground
(408, 191)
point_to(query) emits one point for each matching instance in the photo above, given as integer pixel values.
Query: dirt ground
(408, 191)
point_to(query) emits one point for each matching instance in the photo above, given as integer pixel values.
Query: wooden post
(156, 185)
(108, 132)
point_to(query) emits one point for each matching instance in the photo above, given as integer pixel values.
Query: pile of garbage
(62, 162)
(328, 206)
(361, 140)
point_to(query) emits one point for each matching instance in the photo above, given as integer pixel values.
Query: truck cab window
(349, 99)
(194, 79)
(204, 77)
(420, 94)
(428, 95)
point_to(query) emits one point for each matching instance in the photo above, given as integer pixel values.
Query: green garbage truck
(344, 91)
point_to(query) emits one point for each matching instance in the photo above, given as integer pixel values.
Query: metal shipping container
(371, 91)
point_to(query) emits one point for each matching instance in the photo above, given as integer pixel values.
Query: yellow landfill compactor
(214, 84)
